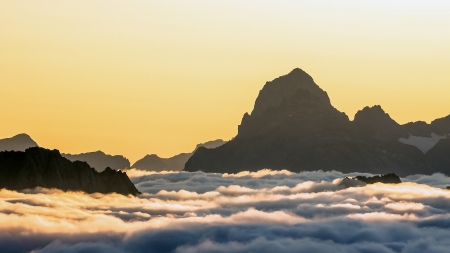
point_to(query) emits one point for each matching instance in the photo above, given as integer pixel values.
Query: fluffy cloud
(265, 211)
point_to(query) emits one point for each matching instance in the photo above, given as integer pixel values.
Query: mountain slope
(39, 167)
(19, 142)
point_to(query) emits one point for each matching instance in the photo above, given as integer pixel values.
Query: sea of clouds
(265, 211)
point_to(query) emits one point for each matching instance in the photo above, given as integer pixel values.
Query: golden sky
(143, 77)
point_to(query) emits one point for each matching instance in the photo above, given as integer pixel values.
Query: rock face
(19, 142)
(175, 163)
(99, 160)
(294, 126)
(39, 167)
(390, 178)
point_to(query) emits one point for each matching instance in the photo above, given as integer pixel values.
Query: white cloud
(259, 212)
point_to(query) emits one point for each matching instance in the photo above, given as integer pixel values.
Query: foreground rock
(99, 160)
(294, 126)
(175, 163)
(39, 167)
(390, 178)
(19, 142)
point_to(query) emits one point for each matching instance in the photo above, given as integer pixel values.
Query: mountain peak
(374, 115)
(18, 142)
(278, 90)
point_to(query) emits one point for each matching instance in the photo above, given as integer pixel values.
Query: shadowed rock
(390, 178)
(39, 167)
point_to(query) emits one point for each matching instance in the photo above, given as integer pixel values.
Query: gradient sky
(143, 77)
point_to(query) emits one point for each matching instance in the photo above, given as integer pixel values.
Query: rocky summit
(294, 126)
(39, 167)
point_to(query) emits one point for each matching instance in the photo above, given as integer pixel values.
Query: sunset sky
(143, 77)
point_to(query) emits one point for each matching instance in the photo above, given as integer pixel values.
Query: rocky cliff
(39, 167)
(294, 126)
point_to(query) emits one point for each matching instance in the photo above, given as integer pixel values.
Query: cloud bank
(265, 211)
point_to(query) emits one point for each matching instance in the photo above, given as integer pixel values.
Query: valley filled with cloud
(263, 211)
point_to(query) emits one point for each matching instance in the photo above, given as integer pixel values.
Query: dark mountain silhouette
(19, 142)
(39, 167)
(175, 163)
(390, 178)
(294, 126)
(99, 160)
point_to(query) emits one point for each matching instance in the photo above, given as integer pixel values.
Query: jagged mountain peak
(284, 87)
(374, 115)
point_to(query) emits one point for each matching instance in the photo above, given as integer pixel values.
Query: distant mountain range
(99, 160)
(39, 167)
(294, 126)
(175, 163)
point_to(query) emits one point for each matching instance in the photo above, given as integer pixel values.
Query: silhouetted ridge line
(19, 142)
(390, 178)
(99, 160)
(39, 167)
(175, 163)
(294, 126)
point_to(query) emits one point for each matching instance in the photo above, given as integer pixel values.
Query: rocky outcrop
(175, 163)
(39, 167)
(390, 178)
(294, 126)
(19, 142)
(99, 160)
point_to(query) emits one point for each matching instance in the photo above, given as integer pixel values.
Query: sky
(144, 77)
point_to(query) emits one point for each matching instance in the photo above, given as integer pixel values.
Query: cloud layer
(264, 211)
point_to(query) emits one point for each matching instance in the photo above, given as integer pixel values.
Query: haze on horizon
(142, 77)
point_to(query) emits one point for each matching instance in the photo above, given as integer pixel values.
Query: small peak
(371, 112)
(374, 116)
(297, 71)
(108, 169)
(152, 156)
(22, 135)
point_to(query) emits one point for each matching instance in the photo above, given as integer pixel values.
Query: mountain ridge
(294, 126)
(175, 163)
(39, 167)
(19, 142)
(99, 160)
